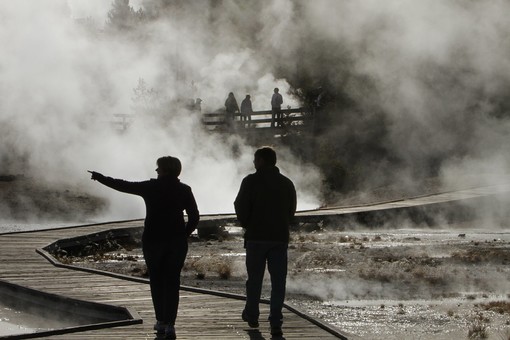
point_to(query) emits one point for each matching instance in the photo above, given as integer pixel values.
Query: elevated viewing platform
(297, 118)
(293, 118)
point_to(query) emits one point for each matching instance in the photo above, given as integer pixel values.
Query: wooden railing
(259, 119)
(297, 117)
(122, 121)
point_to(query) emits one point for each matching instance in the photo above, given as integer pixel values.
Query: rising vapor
(417, 89)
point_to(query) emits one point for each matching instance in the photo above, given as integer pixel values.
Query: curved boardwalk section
(201, 316)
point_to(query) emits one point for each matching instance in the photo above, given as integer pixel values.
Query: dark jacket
(246, 108)
(276, 101)
(165, 200)
(231, 104)
(265, 205)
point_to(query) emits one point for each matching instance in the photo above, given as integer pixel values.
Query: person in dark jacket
(276, 108)
(265, 206)
(246, 109)
(164, 238)
(231, 108)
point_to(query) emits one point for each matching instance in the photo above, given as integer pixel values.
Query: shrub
(224, 270)
(500, 307)
(478, 327)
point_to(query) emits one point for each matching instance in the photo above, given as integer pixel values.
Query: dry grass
(478, 327)
(224, 270)
(205, 266)
(432, 276)
(401, 309)
(391, 268)
(478, 255)
(324, 259)
(376, 274)
(501, 307)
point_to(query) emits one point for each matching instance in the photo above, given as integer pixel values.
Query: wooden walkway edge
(202, 314)
(227, 295)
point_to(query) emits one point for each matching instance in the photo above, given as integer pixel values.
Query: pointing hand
(95, 175)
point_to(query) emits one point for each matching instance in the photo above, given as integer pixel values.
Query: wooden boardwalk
(201, 316)
(297, 118)
(433, 209)
(418, 201)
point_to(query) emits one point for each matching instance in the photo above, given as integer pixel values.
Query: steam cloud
(63, 79)
(419, 88)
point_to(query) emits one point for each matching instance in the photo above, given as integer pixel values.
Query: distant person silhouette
(198, 105)
(276, 108)
(164, 239)
(246, 109)
(265, 206)
(231, 108)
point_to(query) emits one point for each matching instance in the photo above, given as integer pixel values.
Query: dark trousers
(164, 263)
(257, 254)
(276, 116)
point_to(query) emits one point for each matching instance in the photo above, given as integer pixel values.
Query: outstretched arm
(135, 188)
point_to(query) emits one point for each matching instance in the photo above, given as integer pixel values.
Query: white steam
(424, 77)
(437, 67)
(62, 80)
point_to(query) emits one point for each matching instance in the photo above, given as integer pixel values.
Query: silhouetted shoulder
(249, 178)
(286, 179)
(175, 183)
(185, 186)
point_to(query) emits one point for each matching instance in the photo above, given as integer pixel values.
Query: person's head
(264, 157)
(168, 166)
(248, 96)
(231, 94)
(276, 90)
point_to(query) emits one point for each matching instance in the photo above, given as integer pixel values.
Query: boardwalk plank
(201, 316)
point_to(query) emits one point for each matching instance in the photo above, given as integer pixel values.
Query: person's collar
(268, 169)
(168, 178)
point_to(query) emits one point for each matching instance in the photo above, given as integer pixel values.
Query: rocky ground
(395, 284)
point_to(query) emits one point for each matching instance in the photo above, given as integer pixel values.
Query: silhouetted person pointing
(164, 239)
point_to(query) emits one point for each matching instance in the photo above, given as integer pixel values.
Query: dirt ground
(391, 284)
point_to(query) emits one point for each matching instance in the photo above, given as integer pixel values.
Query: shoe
(170, 332)
(251, 323)
(276, 331)
(160, 327)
